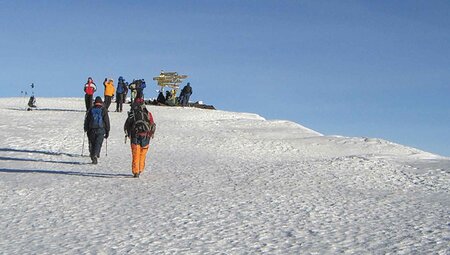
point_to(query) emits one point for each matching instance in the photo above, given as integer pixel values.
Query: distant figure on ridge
(109, 91)
(171, 98)
(122, 89)
(133, 87)
(161, 99)
(32, 102)
(96, 124)
(140, 89)
(139, 127)
(185, 94)
(89, 90)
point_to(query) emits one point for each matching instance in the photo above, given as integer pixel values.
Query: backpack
(97, 118)
(141, 121)
(137, 84)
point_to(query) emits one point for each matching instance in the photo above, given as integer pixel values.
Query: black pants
(107, 102)
(119, 102)
(96, 137)
(88, 101)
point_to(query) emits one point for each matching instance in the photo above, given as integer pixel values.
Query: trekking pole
(82, 148)
(106, 147)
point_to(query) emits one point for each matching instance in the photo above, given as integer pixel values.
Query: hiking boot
(94, 160)
(136, 175)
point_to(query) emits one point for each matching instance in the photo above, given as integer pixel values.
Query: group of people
(171, 98)
(139, 126)
(137, 90)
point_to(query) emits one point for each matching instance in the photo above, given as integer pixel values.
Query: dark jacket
(187, 90)
(161, 99)
(89, 117)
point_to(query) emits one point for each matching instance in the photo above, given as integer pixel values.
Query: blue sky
(353, 68)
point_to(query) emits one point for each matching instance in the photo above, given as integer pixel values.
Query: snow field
(216, 182)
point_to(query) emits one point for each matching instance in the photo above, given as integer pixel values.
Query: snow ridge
(216, 182)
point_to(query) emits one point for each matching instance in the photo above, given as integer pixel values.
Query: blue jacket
(120, 87)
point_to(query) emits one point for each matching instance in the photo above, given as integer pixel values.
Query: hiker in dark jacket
(139, 127)
(186, 93)
(121, 90)
(161, 99)
(96, 124)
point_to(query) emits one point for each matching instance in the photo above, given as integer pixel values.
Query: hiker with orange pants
(139, 127)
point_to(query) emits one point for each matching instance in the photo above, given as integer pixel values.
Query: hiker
(140, 88)
(120, 93)
(181, 96)
(171, 98)
(168, 95)
(32, 102)
(186, 93)
(139, 127)
(125, 92)
(109, 91)
(89, 89)
(161, 99)
(133, 88)
(96, 124)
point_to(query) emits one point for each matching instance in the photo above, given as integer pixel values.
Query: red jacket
(90, 88)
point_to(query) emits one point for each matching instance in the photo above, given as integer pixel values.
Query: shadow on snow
(40, 152)
(84, 174)
(43, 160)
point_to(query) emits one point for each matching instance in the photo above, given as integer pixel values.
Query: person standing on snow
(89, 89)
(186, 93)
(109, 91)
(96, 124)
(120, 93)
(161, 99)
(125, 92)
(140, 88)
(139, 127)
(133, 89)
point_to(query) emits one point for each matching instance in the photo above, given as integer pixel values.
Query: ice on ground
(215, 182)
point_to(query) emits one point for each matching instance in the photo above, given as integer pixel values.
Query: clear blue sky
(353, 68)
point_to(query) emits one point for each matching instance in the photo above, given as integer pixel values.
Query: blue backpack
(97, 118)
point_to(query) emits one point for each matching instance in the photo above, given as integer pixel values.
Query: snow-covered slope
(216, 182)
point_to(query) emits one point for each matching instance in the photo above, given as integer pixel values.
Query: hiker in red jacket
(89, 89)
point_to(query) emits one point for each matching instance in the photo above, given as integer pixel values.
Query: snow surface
(216, 182)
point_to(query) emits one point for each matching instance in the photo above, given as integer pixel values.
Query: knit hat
(98, 101)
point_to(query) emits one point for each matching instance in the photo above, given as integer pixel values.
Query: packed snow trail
(215, 182)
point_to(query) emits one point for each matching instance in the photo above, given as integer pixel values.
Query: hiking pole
(106, 147)
(82, 148)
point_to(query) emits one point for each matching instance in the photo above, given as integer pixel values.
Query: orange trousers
(139, 154)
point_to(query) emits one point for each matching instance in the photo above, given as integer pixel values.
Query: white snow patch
(215, 182)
